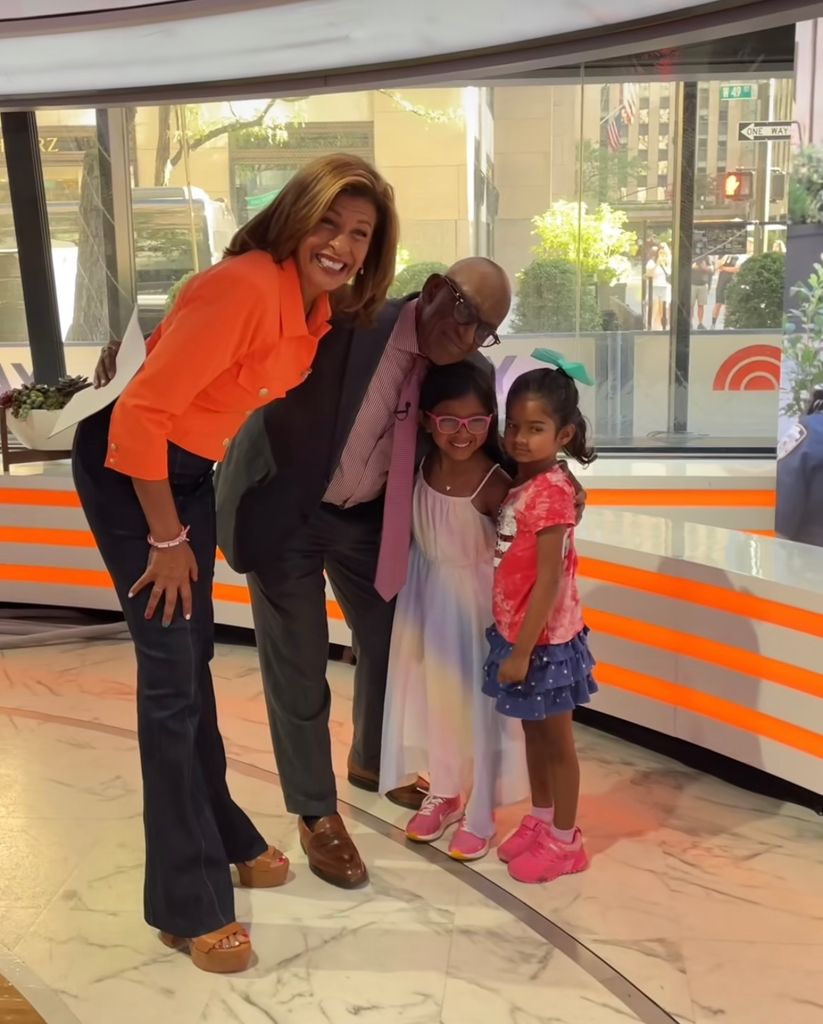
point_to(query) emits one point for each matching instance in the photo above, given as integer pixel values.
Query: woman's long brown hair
(281, 226)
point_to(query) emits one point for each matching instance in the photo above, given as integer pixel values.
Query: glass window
(71, 176)
(570, 184)
(201, 170)
(15, 361)
(262, 163)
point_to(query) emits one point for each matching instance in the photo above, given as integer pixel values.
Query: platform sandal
(264, 872)
(207, 954)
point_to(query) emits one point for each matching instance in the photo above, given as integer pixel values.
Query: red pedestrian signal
(738, 185)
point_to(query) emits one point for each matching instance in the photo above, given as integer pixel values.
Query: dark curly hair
(559, 395)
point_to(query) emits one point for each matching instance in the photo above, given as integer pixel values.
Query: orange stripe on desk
(747, 663)
(614, 497)
(724, 711)
(50, 536)
(661, 690)
(55, 576)
(98, 578)
(47, 536)
(671, 498)
(704, 594)
(35, 496)
(701, 594)
(54, 537)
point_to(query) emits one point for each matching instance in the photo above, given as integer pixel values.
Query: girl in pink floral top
(539, 667)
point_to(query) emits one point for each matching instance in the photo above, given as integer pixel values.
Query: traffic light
(737, 186)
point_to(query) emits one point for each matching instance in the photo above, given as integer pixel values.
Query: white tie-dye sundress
(437, 720)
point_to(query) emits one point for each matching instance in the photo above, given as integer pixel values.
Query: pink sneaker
(520, 840)
(547, 858)
(434, 817)
(465, 845)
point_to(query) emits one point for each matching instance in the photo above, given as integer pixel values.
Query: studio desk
(705, 633)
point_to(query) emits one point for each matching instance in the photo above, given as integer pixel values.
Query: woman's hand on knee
(170, 573)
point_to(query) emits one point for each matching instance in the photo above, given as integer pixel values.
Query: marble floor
(704, 903)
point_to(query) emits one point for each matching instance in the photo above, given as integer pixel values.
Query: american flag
(628, 102)
(614, 135)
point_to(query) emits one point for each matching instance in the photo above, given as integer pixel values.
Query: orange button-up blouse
(236, 339)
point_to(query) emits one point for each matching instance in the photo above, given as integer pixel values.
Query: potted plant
(805, 233)
(32, 411)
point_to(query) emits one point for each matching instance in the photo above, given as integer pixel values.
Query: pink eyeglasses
(451, 424)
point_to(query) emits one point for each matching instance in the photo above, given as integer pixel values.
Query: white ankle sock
(544, 814)
(563, 835)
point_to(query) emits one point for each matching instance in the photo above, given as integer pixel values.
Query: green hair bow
(575, 370)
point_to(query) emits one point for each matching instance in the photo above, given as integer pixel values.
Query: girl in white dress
(436, 720)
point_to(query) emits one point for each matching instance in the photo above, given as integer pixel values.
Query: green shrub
(547, 299)
(755, 296)
(806, 187)
(803, 342)
(597, 240)
(412, 278)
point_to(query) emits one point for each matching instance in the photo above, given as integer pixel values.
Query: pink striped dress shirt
(364, 463)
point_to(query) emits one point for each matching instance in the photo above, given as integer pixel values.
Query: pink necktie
(393, 560)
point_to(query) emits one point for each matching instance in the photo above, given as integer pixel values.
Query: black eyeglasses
(465, 313)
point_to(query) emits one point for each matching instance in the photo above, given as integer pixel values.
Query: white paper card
(85, 403)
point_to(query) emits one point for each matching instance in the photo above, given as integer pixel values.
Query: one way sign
(764, 131)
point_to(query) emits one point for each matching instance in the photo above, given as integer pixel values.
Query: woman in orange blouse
(241, 334)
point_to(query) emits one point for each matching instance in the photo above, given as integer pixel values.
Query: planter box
(34, 430)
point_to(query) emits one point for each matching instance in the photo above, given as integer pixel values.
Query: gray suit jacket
(278, 467)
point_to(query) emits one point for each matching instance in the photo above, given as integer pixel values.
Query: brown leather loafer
(363, 779)
(410, 797)
(331, 853)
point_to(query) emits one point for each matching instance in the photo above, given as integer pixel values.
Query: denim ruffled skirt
(559, 678)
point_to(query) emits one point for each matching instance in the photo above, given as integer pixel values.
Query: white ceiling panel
(12, 10)
(202, 41)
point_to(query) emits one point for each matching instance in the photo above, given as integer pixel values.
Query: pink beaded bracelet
(162, 545)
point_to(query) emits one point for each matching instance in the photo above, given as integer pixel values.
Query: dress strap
(484, 481)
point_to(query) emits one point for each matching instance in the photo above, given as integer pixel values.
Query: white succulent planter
(33, 432)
